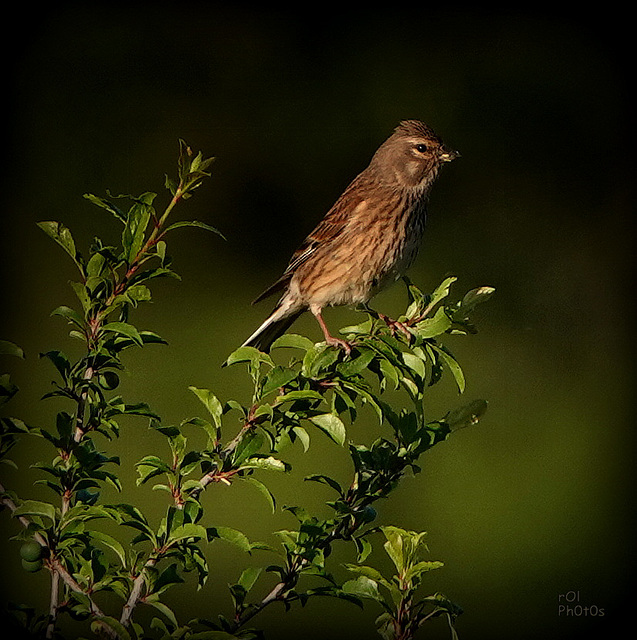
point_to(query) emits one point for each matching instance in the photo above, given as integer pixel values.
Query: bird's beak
(448, 155)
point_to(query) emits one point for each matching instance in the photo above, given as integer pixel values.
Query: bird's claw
(341, 344)
(395, 325)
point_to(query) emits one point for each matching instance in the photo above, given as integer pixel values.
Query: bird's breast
(375, 248)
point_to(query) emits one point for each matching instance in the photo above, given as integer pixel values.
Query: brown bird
(367, 240)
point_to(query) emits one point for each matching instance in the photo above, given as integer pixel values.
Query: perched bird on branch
(367, 240)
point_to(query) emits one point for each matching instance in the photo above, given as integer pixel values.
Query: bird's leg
(329, 338)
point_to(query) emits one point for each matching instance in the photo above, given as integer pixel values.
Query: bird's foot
(341, 344)
(396, 325)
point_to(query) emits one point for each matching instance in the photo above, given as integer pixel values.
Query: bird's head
(411, 157)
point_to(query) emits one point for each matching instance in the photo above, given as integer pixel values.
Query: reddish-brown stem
(216, 475)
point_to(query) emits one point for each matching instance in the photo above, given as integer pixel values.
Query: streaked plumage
(367, 240)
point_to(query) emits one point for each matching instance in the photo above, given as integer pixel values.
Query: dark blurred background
(537, 500)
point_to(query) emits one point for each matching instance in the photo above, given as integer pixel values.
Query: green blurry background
(534, 502)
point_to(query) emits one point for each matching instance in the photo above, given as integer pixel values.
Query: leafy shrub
(320, 387)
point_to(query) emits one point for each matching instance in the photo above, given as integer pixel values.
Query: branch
(55, 567)
(53, 605)
(216, 475)
(136, 593)
(276, 594)
(80, 428)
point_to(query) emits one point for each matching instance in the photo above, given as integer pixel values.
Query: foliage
(390, 368)
(402, 616)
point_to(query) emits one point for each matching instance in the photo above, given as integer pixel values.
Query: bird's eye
(421, 148)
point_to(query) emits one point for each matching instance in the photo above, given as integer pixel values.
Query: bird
(367, 240)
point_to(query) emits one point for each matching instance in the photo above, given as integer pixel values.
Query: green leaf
(277, 378)
(81, 512)
(125, 329)
(265, 492)
(368, 398)
(60, 362)
(150, 467)
(364, 328)
(403, 547)
(294, 341)
(70, 315)
(10, 349)
(251, 442)
(162, 608)
(442, 291)
(332, 425)
(98, 625)
(467, 415)
(35, 508)
(159, 272)
(415, 365)
(303, 394)
(389, 373)
(105, 204)
(167, 578)
(210, 430)
(318, 359)
(303, 436)
(472, 299)
(394, 547)
(432, 327)
(139, 293)
(356, 365)
(194, 223)
(188, 530)
(132, 517)
(7, 388)
(82, 293)
(417, 300)
(211, 402)
(453, 365)
(111, 543)
(368, 572)
(149, 337)
(268, 463)
(415, 571)
(108, 380)
(363, 546)
(363, 587)
(135, 228)
(330, 482)
(249, 354)
(230, 535)
(248, 577)
(63, 237)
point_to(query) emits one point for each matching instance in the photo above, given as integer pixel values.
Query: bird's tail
(276, 325)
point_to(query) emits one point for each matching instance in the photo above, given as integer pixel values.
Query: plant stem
(53, 564)
(80, 427)
(136, 593)
(53, 603)
(276, 594)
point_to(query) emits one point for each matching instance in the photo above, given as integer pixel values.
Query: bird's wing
(325, 232)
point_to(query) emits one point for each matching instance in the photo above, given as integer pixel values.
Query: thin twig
(80, 427)
(277, 594)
